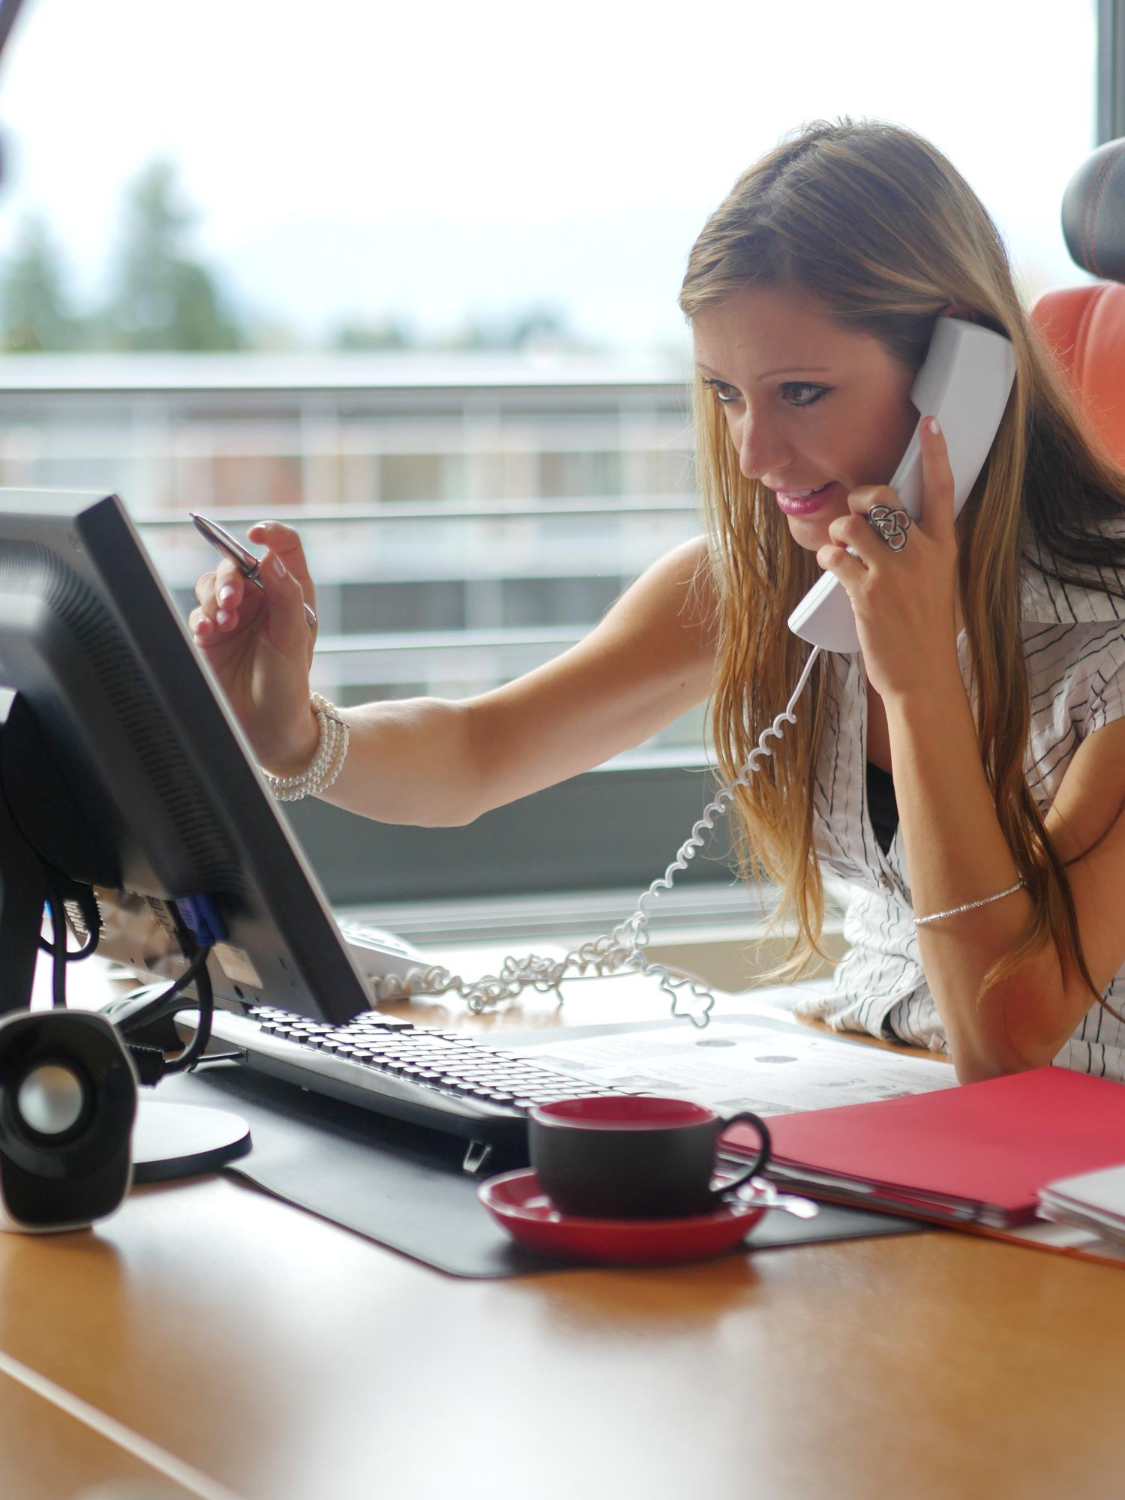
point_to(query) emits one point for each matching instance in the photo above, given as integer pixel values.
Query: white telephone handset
(965, 383)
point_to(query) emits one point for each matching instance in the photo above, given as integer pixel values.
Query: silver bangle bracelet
(939, 916)
(327, 762)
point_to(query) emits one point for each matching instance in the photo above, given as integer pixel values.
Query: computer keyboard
(443, 1080)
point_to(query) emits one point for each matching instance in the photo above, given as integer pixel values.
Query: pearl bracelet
(955, 911)
(325, 765)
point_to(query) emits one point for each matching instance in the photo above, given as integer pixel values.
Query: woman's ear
(960, 310)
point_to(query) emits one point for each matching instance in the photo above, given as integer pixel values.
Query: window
(578, 473)
(367, 608)
(421, 476)
(508, 493)
(557, 601)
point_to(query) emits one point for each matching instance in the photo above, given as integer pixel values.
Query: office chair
(1085, 325)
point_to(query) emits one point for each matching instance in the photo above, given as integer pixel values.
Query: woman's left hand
(904, 601)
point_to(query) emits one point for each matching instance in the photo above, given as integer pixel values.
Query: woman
(985, 713)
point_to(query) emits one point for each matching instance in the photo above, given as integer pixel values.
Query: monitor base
(181, 1140)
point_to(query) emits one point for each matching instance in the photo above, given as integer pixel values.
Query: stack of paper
(978, 1154)
(771, 1066)
(1092, 1200)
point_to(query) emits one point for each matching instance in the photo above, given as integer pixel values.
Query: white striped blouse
(1074, 643)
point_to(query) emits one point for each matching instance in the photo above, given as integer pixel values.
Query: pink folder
(978, 1153)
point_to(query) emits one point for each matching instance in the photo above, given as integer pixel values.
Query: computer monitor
(122, 768)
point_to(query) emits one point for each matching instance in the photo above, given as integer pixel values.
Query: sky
(440, 161)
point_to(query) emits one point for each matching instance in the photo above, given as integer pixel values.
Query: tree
(373, 334)
(521, 330)
(34, 307)
(164, 298)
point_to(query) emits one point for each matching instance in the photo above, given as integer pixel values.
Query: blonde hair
(874, 223)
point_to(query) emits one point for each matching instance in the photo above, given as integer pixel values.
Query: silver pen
(244, 560)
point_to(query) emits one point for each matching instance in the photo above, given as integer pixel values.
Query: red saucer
(517, 1203)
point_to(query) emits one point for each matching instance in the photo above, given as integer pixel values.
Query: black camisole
(882, 805)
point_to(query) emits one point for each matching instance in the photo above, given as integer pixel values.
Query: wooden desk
(284, 1359)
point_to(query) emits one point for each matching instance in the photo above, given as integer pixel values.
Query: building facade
(465, 518)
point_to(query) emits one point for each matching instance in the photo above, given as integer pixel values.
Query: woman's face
(813, 410)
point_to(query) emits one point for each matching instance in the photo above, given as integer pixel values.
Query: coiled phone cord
(620, 951)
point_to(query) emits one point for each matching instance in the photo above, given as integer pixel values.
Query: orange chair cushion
(1085, 326)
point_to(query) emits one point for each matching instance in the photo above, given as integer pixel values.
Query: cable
(74, 955)
(152, 1064)
(84, 903)
(622, 950)
(195, 1049)
(198, 926)
(167, 1002)
(57, 948)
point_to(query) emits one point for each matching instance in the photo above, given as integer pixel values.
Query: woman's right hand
(259, 646)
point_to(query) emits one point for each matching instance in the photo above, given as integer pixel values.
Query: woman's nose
(762, 448)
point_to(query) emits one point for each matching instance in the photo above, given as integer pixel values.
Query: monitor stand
(181, 1140)
(173, 1140)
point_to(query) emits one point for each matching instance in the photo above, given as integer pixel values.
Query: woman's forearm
(956, 853)
(409, 761)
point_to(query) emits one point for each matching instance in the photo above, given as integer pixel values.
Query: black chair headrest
(1093, 213)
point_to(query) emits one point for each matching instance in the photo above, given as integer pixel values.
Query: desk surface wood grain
(287, 1358)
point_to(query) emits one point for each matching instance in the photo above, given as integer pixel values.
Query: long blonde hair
(878, 226)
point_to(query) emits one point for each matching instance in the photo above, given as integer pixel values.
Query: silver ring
(892, 525)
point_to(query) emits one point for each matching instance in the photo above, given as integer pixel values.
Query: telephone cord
(618, 952)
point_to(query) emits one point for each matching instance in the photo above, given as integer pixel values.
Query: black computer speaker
(68, 1099)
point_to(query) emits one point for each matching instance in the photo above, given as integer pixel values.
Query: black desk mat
(404, 1188)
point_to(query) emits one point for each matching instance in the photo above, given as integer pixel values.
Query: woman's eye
(799, 393)
(725, 394)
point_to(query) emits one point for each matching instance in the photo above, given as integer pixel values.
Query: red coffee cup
(634, 1156)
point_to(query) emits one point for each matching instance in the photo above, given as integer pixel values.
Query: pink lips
(804, 505)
